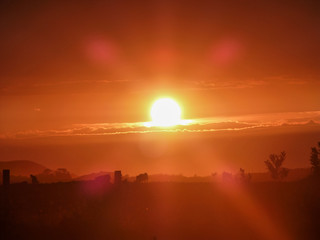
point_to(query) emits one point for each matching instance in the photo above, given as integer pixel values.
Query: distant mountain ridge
(22, 167)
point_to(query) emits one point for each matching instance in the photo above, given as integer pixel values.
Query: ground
(229, 210)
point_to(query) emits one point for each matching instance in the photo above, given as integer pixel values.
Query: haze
(78, 80)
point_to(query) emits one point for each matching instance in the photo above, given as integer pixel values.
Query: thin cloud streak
(210, 85)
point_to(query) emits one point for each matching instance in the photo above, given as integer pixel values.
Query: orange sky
(243, 69)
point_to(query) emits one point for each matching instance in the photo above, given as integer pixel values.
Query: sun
(165, 112)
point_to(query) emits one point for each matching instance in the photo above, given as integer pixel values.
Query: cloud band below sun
(218, 124)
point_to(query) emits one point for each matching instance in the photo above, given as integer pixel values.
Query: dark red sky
(48, 39)
(70, 63)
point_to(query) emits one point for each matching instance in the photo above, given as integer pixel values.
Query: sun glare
(166, 112)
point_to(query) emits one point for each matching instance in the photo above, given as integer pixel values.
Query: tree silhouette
(142, 177)
(314, 160)
(62, 174)
(274, 165)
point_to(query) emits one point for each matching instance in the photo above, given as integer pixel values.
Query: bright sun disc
(165, 112)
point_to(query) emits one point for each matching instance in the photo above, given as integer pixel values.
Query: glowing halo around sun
(166, 112)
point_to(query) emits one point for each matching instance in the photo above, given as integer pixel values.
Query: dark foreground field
(91, 210)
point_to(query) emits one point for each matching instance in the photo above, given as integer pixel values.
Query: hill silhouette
(92, 176)
(20, 171)
(22, 167)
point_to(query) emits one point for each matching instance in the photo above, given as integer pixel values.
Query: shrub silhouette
(274, 165)
(59, 175)
(245, 177)
(227, 177)
(34, 179)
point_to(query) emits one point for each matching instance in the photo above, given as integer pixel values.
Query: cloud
(292, 80)
(75, 82)
(249, 83)
(221, 124)
(134, 85)
(230, 84)
(58, 86)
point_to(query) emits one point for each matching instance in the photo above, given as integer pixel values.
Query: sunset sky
(78, 79)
